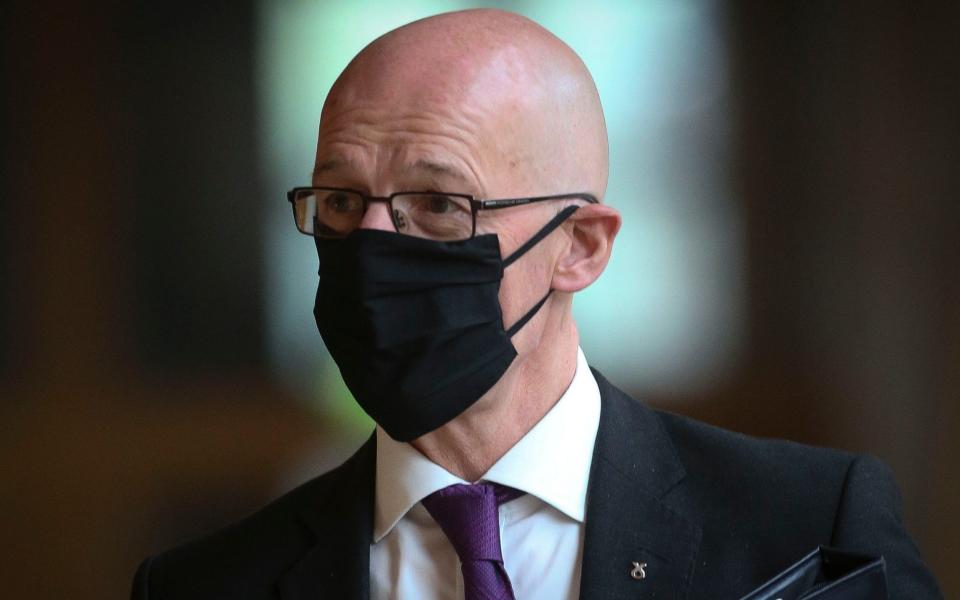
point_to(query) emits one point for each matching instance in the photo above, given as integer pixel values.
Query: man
(502, 466)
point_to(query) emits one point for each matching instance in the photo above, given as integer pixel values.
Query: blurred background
(789, 264)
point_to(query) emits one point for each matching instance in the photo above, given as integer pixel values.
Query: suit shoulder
(728, 469)
(760, 486)
(702, 446)
(244, 559)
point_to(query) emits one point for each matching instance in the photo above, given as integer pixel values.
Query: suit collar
(337, 565)
(629, 518)
(552, 460)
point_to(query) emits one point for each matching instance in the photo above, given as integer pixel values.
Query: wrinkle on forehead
(369, 134)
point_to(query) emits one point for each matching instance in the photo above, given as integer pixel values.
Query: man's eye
(440, 205)
(340, 202)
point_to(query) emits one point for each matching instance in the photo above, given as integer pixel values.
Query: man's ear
(591, 241)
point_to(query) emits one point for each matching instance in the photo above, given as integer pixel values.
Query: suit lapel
(338, 563)
(627, 521)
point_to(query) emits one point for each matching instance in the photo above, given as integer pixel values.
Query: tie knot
(468, 516)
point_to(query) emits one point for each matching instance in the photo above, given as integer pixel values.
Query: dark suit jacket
(713, 514)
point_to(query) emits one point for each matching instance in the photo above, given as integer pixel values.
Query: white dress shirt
(541, 533)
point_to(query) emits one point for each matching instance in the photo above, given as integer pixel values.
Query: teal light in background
(667, 313)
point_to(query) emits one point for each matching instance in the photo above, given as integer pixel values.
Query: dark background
(137, 407)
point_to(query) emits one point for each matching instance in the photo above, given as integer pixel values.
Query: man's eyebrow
(429, 167)
(331, 164)
(437, 169)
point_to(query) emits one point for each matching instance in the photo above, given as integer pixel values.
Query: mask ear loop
(547, 229)
(530, 313)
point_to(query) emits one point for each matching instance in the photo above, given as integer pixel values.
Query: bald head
(481, 101)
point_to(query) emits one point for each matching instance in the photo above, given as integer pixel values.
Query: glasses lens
(327, 213)
(433, 216)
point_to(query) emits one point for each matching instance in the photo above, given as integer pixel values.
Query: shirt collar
(551, 462)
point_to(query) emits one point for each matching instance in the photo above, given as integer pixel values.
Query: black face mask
(415, 325)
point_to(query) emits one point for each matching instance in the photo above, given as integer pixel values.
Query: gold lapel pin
(639, 570)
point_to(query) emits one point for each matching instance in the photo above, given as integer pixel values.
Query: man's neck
(471, 443)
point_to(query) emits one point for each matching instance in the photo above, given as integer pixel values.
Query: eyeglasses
(335, 212)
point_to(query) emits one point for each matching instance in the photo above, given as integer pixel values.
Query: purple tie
(468, 516)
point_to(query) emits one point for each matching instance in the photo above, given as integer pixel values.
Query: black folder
(828, 574)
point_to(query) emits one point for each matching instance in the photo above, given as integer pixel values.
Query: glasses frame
(476, 205)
